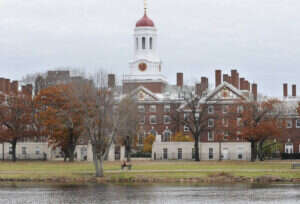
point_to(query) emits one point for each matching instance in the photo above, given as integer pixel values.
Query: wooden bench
(126, 165)
(295, 165)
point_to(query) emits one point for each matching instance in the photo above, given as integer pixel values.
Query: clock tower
(146, 66)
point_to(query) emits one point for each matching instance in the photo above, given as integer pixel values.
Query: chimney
(285, 90)
(218, 77)
(226, 78)
(254, 91)
(111, 81)
(180, 80)
(198, 89)
(242, 84)
(14, 87)
(6, 86)
(235, 78)
(27, 90)
(204, 82)
(294, 90)
(2, 84)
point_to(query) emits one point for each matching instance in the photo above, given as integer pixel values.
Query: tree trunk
(261, 155)
(253, 150)
(71, 157)
(128, 150)
(98, 163)
(14, 145)
(197, 158)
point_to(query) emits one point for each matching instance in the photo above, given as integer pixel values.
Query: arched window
(151, 42)
(144, 43)
(137, 43)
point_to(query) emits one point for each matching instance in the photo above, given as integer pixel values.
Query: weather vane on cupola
(145, 6)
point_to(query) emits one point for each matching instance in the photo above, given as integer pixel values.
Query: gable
(142, 94)
(226, 92)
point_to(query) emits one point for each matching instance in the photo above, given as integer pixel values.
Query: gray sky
(260, 38)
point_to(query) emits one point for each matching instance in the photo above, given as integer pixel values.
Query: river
(144, 194)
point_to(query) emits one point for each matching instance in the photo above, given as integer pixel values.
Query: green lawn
(150, 169)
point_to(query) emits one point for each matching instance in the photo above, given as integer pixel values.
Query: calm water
(237, 194)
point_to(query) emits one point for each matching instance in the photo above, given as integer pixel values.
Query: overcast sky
(260, 38)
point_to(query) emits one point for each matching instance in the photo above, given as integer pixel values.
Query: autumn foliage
(180, 137)
(17, 120)
(256, 123)
(61, 115)
(148, 142)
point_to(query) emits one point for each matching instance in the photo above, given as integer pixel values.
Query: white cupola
(146, 63)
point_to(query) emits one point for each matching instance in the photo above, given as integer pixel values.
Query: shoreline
(219, 178)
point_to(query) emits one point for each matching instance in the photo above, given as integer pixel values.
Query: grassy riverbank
(148, 171)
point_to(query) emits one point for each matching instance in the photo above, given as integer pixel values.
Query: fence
(286, 156)
(24, 156)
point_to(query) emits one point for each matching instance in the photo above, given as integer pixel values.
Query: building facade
(158, 104)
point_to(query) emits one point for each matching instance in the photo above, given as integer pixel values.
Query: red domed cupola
(145, 22)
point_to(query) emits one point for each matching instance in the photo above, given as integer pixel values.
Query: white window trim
(287, 122)
(213, 123)
(296, 123)
(212, 134)
(154, 110)
(141, 107)
(211, 112)
(186, 128)
(150, 121)
(165, 116)
(168, 108)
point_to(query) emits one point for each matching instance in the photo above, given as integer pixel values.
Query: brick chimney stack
(6, 86)
(218, 77)
(254, 91)
(198, 89)
(2, 85)
(27, 90)
(242, 84)
(14, 87)
(235, 78)
(180, 80)
(285, 90)
(294, 90)
(111, 81)
(204, 82)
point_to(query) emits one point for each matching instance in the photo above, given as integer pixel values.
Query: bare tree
(100, 118)
(196, 118)
(128, 124)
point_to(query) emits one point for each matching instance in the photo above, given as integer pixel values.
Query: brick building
(158, 102)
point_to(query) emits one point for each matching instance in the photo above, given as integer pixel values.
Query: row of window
(224, 155)
(225, 109)
(153, 119)
(144, 43)
(289, 123)
(153, 108)
(24, 150)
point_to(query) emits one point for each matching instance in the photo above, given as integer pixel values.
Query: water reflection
(135, 194)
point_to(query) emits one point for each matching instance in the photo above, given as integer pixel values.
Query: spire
(145, 7)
